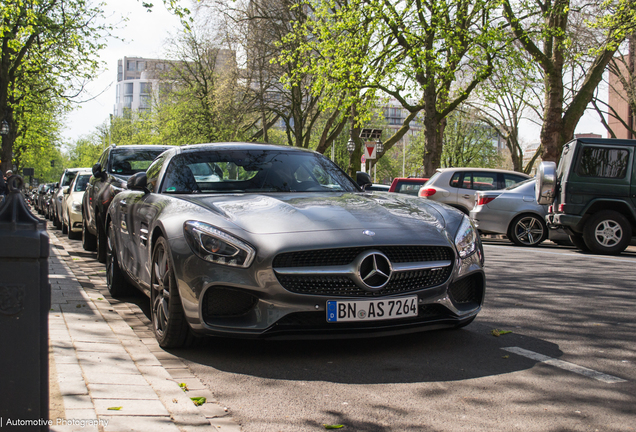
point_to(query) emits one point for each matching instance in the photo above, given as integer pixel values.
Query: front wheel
(89, 242)
(65, 227)
(528, 230)
(607, 232)
(116, 282)
(101, 241)
(168, 319)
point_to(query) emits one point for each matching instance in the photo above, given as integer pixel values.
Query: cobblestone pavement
(112, 374)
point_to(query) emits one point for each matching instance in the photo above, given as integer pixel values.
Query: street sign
(369, 150)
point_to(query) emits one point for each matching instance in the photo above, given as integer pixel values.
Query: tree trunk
(552, 131)
(434, 135)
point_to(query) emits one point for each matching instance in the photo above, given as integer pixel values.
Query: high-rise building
(137, 83)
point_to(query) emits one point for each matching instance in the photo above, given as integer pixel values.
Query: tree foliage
(572, 36)
(429, 56)
(47, 48)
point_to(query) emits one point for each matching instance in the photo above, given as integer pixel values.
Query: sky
(145, 35)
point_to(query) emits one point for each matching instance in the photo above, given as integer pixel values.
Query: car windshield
(68, 179)
(81, 183)
(516, 185)
(131, 161)
(245, 171)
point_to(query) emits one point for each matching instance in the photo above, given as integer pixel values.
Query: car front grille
(342, 285)
(344, 256)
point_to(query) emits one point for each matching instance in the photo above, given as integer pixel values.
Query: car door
(475, 181)
(141, 210)
(91, 193)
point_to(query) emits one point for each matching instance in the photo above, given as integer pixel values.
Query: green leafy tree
(85, 151)
(566, 37)
(46, 46)
(469, 142)
(429, 56)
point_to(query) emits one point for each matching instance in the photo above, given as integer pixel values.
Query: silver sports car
(250, 240)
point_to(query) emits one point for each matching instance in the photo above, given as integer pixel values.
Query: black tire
(89, 242)
(579, 243)
(72, 235)
(57, 221)
(168, 319)
(118, 285)
(101, 241)
(607, 232)
(65, 229)
(527, 230)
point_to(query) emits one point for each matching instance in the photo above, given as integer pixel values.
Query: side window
(484, 181)
(467, 181)
(511, 179)
(602, 162)
(152, 173)
(103, 159)
(455, 180)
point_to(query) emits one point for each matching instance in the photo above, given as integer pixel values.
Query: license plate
(371, 310)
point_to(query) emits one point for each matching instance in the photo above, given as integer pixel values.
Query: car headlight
(216, 246)
(466, 239)
(77, 206)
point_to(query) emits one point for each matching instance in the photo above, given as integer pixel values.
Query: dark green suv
(592, 193)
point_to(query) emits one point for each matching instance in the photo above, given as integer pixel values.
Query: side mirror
(138, 182)
(66, 190)
(57, 185)
(97, 170)
(363, 179)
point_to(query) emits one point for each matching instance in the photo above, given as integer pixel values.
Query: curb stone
(106, 356)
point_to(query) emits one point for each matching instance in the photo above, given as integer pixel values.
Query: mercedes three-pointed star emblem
(373, 270)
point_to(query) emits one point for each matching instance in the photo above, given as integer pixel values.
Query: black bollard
(25, 301)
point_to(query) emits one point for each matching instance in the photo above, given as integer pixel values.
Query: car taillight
(483, 200)
(427, 192)
(561, 207)
(551, 209)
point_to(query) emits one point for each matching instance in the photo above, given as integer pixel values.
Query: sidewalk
(111, 374)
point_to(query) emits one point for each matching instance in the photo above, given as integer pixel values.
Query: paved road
(557, 302)
(568, 364)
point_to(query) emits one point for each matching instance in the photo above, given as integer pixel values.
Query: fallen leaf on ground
(114, 408)
(198, 400)
(184, 387)
(497, 332)
(505, 357)
(333, 426)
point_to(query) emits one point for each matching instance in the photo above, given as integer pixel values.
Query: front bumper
(259, 306)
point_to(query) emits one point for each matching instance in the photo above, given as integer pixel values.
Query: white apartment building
(137, 83)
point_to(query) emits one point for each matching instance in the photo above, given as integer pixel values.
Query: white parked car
(72, 205)
(457, 186)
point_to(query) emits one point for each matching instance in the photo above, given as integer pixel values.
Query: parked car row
(252, 240)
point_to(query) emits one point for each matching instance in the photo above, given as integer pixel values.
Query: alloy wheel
(529, 231)
(608, 233)
(160, 291)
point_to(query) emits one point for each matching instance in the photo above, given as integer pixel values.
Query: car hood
(312, 212)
